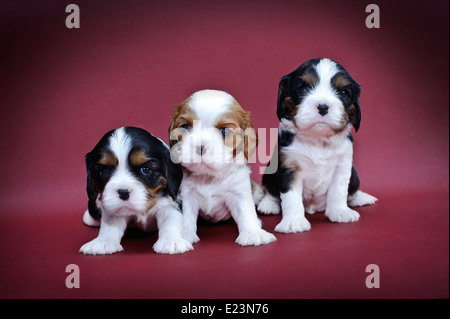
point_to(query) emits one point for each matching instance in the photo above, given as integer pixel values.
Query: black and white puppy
(318, 103)
(132, 181)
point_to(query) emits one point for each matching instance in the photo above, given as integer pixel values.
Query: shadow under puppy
(132, 181)
(212, 137)
(312, 167)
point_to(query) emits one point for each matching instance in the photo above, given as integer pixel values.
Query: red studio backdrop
(130, 62)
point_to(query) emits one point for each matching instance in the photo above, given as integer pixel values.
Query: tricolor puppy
(132, 181)
(212, 137)
(317, 105)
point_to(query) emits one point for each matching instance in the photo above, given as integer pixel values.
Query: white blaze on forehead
(209, 105)
(120, 145)
(326, 69)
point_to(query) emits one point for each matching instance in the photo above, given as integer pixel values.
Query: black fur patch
(285, 138)
(353, 186)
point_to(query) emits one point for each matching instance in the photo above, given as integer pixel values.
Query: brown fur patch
(243, 137)
(182, 115)
(340, 81)
(138, 157)
(109, 159)
(311, 78)
(154, 192)
(291, 109)
(351, 112)
(290, 163)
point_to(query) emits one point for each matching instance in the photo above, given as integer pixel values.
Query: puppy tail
(257, 192)
(88, 220)
(361, 199)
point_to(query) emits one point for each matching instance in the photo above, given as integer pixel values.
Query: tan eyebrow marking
(108, 159)
(138, 157)
(310, 78)
(340, 81)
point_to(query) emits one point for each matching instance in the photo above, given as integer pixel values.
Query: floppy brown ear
(250, 137)
(182, 115)
(175, 115)
(245, 133)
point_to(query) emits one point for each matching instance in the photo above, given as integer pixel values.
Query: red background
(132, 61)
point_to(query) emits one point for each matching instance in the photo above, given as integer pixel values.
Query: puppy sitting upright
(212, 137)
(317, 105)
(131, 180)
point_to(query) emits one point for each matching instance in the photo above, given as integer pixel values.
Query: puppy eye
(105, 172)
(145, 170)
(186, 127)
(226, 132)
(303, 90)
(343, 92)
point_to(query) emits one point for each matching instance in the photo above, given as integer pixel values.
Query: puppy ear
(250, 138)
(284, 104)
(355, 114)
(91, 192)
(173, 175)
(175, 115)
(90, 188)
(355, 118)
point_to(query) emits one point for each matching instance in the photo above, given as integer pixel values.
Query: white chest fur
(317, 163)
(212, 195)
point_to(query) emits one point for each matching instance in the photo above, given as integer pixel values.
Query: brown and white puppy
(131, 180)
(318, 103)
(212, 137)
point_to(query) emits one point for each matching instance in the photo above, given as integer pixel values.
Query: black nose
(323, 109)
(124, 194)
(200, 150)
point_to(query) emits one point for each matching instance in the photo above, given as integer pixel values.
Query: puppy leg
(294, 220)
(108, 240)
(250, 232)
(337, 209)
(190, 215)
(170, 224)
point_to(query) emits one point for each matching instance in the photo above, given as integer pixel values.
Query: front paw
(293, 225)
(342, 215)
(172, 246)
(100, 246)
(191, 236)
(268, 206)
(255, 238)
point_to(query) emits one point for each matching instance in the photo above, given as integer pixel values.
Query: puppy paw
(100, 246)
(268, 206)
(361, 199)
(342, 215)
(294, 225)
(255, 238)
(172, 246)
(191, 237)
